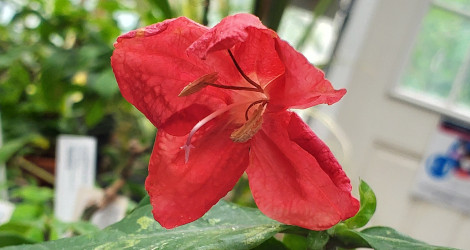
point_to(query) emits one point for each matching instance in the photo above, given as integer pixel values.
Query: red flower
(219, 98)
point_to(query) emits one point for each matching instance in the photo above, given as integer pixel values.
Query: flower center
(253, 121)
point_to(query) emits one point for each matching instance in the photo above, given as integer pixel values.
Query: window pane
(439, 52)
(463, 5)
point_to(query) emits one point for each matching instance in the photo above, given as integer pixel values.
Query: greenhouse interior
(235, 124)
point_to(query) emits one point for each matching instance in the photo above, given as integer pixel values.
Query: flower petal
(302, 85)
(251, 43)
(291, 185)
(300, 133)
(182, 192)
(230, 31)
(151, 68)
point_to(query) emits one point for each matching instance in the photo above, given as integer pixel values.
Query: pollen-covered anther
(199, 84)
(250, 128)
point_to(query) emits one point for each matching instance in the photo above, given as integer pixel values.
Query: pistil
(256, 85)
(252, 124)
(187, 146)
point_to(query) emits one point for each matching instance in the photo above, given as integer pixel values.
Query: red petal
(300, 133)
(181, 193)
(290, 184)
(152, 67)
(302, 86)
(251, 43)
(230, 31)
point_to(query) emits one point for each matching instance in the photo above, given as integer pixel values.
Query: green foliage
(295, 242)
(317, 239)
(56, 78)
(367, 210)
(389, 238)
(225, 226)
(11, 147)
(32, 220)
(55, 75)
(230, 226)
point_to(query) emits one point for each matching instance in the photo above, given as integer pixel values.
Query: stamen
(257, 86)
(208, 80)
(233, 87)
(250, 128)
(253, 104)
(187, 146)
(199, 84)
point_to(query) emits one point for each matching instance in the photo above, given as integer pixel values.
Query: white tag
(6, 210)
(75, 169)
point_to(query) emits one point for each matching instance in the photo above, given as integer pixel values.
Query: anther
(250, 128)
(199, 84)
(264, 102)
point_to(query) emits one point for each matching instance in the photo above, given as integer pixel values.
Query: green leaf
(11, 147)
(83, 227)
(104, 84)
(271, 244)
(164, 6)
(11, 239)
(317, 239)
(95, 113)
(26, 230)
(377, 238)
(389, 238)
(27, 212)
(346, 237)
(367, 210)
(295, 242)
(34, 194)
(144, 202)
(225, 226)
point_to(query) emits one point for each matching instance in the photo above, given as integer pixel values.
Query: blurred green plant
(54, 68)
(55, 77)
(33, 222)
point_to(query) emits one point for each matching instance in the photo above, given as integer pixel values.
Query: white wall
(388, 136)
